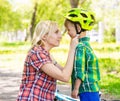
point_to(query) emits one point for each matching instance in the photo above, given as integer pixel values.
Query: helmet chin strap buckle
(77, 32)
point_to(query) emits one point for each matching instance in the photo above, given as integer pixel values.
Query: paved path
(9, 84)
(10, 81)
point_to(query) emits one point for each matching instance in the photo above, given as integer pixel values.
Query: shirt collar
(84, 39)
(41, 49)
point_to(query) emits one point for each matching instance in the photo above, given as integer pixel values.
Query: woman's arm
(55, 63)
(65, 73)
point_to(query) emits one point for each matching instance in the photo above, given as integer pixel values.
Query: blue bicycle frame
(62, 97)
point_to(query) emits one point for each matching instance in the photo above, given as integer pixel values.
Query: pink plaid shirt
(36, 85)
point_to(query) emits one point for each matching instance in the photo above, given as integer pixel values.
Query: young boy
(85, 75)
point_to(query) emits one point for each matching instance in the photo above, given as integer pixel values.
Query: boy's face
(71, 29)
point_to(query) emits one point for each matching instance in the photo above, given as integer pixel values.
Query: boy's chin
(72, 36)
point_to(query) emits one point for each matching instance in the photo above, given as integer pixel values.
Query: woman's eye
(57, 31)
(68, 29)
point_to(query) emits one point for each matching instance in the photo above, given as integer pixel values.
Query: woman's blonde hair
(42, 28)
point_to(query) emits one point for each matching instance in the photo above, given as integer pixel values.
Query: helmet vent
(91, 24)
(84, 15)
(71, 11)
(92, 17)
(73, 15)
(85, 21)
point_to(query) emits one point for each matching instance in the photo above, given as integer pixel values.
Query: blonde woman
(40, 71)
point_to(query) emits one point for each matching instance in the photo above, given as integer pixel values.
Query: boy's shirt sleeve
(79, 65)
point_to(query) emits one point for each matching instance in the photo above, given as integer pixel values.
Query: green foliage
(14, 47)
(52, 10)
(110, 84)
(108, 54)
(4, 18)
(106, 47)
(11, 19)
(11, 44)
(110, 64)
(109, 35)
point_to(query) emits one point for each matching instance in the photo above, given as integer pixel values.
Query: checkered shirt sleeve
(37, 59)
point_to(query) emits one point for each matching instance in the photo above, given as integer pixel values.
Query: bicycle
(62, 97)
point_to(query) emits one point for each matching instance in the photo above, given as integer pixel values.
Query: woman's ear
(44, 37)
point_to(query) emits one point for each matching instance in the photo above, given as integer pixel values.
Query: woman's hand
(58, 73)
(74, 42)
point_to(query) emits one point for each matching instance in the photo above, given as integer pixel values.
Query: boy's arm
(80, 63)
(79, 70)
(75, 91)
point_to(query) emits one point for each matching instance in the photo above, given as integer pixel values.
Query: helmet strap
(77, 32)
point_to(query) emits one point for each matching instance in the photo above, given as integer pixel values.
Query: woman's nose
(60, 35)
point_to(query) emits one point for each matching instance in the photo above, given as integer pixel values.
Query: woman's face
(71, 29)
(54, 37)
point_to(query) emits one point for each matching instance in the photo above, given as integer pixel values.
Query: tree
(54, 10)
(32, 25)
(13, 16)
(4, 17)
(74, 3)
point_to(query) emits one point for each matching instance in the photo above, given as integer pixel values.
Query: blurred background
(19, 17)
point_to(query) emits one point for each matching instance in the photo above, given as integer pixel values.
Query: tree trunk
(74, 3)
(32, 25)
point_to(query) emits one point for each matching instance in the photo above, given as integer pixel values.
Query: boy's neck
(82, 34)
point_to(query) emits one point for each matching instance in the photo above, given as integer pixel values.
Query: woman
(40, 71)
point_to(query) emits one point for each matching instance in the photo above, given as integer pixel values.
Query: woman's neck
(46, 47)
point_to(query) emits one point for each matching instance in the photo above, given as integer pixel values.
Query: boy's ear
(78, 27)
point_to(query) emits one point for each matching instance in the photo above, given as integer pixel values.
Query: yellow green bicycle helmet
(83, 17)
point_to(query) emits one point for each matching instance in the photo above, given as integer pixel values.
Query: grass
(12, 55)
(110, 85)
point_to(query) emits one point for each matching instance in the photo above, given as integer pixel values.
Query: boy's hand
(74, 93)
